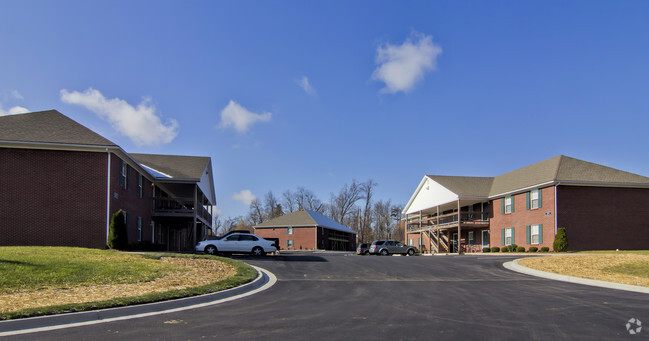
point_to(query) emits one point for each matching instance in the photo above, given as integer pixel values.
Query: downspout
(107, 197)
(556, 216)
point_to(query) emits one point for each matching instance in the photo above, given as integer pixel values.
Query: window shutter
(128, 175)
(528, 235)
(540, 199)
(513, 236)
(540, 230)
(502, 236)
(502, 206)
(121, 179)
(527, 200)
(512, 204)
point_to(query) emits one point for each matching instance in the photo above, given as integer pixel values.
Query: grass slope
(31, 268)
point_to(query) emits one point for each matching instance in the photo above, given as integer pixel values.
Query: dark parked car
(363, 249)
(388, 247)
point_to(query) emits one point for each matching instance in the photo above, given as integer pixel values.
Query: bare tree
(398, 231)
(290, 201)
(272, 206)
(365, 229)
(344, 202)
(383, 219)
(256, 213)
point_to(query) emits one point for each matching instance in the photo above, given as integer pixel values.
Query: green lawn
(31, 268)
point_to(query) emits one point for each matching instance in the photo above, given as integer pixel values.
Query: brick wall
(521, 217)
(128, 200)
(50, 197)
(604, 218)
(302, 236)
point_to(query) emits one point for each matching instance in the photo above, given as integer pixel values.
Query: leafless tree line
(353, 206)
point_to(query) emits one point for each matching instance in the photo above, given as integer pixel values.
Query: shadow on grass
(14, 262)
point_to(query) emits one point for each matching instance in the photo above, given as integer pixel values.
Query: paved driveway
(344, 297)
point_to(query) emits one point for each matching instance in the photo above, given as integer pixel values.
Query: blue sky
(282, 94)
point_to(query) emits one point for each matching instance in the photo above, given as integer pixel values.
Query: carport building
(308, 230)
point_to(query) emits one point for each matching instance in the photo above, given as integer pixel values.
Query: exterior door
(454, 242)
(485, 239)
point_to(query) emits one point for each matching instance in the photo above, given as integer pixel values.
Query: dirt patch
(193, 273)
(598, 267)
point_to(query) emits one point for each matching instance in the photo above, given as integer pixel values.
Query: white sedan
(237, 243)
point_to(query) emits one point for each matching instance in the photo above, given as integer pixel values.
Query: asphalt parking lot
(342, 296)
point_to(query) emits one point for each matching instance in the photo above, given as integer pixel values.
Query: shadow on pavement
(283, 258)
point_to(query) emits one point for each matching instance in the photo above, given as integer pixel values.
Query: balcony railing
(448, 220)
(179, 207)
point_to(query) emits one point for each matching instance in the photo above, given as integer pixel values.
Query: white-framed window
(535, 233)
(410, 242)
(123, 174)
(289, 243)
(509, 204)
(139, 229)
(289, 230)
(140, 189)
(534, 199)
(509, 236)
(471, 238)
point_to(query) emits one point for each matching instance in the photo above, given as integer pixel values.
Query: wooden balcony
(447, 221)
(179, 207)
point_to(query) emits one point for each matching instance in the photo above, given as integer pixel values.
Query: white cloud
(13, 111)
(245, 196)
(304, 84)
(141, 124)
(240, 118)
(15, 94)
(402, 66)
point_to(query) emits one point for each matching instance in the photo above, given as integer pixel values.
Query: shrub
(505, 249)
(495, 249)
(512, 247)
(545, 249)
(560, 240)
(486, 249)
(117, 237)
(520, 249)
(534, 249)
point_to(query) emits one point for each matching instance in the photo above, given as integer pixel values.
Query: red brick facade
(521, 217)
(303, 238)
(52, 197)
(604, 218)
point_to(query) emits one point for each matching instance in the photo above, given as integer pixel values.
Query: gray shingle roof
(48, 127)
(176, 166)
(557, 169)
(305, 218)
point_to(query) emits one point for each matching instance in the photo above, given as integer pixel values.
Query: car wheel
(366, 253)
(257, 251)
(384, 252)
(411, 252)
(211, 250)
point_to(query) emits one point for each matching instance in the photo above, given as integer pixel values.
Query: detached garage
(308, 230)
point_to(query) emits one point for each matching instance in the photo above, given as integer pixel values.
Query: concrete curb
(514, 266)
(265, 279)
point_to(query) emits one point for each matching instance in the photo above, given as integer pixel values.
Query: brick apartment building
(600, 207)
(60, 184)
(308, 230)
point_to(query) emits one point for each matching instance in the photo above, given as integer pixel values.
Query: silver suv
(388, 247)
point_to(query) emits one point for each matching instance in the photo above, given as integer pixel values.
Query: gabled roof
(175, 166)
(303, 218)
(559, 169)
(48, 127)
(465, 186)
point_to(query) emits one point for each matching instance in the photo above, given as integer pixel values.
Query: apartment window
(140, 189)
(125, 214)
(152, 232)
(535, 234)
(139, 229)
(289, 243)
(534, 199)
(507, 235)
(124, 172)
(509, 204)
(471, 238)
(289, 230)
(410, 242)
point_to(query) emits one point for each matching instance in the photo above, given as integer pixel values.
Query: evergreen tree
(117, 238)
(560, 240)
